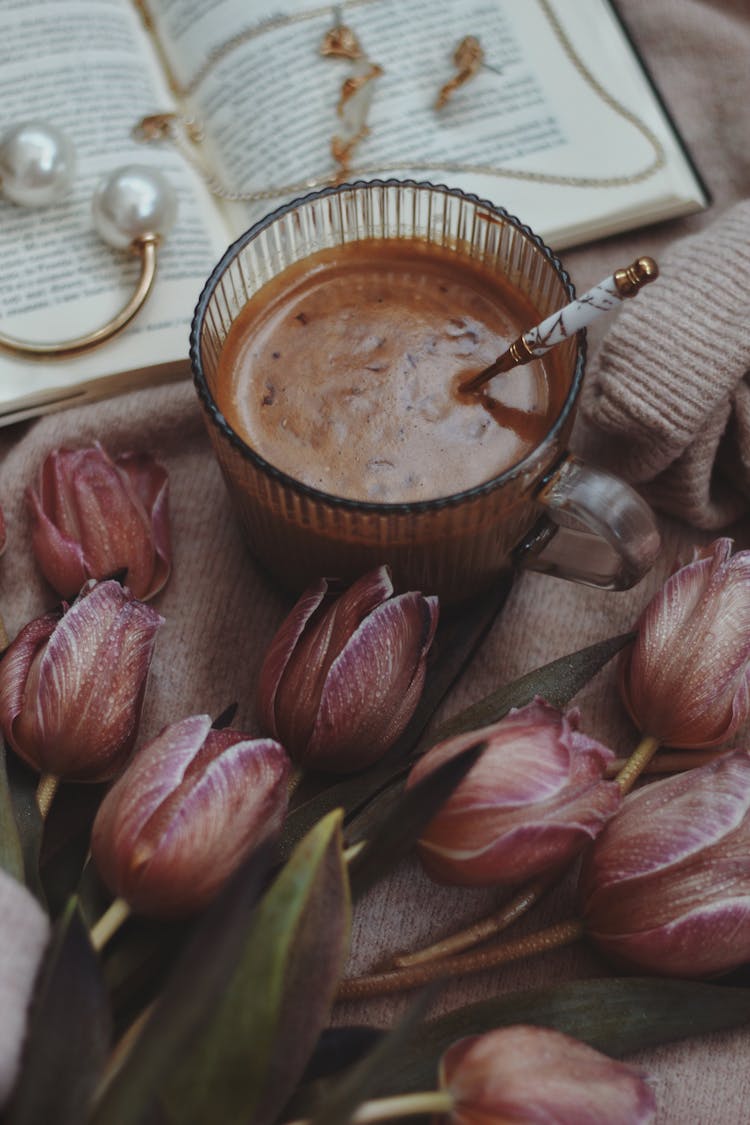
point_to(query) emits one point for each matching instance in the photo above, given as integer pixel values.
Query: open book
(562, 127)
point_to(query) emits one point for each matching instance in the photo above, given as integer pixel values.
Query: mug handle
(596, 529)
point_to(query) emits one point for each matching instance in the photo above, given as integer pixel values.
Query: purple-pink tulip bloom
(345, 672)
(95, 516)
(686, 678)
(192, 804)
(72, 685)
(534, 798)
(666, 886)
(535, 1076)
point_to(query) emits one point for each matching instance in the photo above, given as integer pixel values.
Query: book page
(87, 67)
(540, 133)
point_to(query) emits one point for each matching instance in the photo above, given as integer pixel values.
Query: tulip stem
(479, 931)
(636, 763)
(45, 793)
(673, 762)
(109, 923)
(400, 980)
(401, 1105)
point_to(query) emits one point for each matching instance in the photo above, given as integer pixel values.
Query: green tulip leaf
(11, 852)
(22, 784)
(68, 1035)
(458, 638)
(65, 845)
(258, 1040)
(615, 1015)
(365, 1078)
(557, 682)
(199, 978)
(398, 831)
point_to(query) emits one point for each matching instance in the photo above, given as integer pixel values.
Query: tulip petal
(280, 650)
(60, 559)
(693, 810)
(709, 940)
(14, 672)
(536, 1075)
(91, 680)
(685, 680)
(150, 484)
(523, 844)
(327, 633)
(153, 775)
(374, 684)
(531, 802)
(2, 531)
(202, 829)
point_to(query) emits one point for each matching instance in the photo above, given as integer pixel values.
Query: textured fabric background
(221, 612)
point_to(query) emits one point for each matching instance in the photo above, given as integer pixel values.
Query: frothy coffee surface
(343, 372)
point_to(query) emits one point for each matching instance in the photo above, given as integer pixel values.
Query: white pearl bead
(37, 164)
(133, 202)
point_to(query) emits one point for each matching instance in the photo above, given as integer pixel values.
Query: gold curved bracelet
(146, 248)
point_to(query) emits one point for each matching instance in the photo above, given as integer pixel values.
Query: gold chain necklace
(186, 133)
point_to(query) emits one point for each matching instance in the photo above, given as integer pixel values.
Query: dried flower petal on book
(189, 808)
(686, 678)
(343, 675)
(535, 796)
(72, 684)
(666, 887)
(536, 1076)
(94, 516)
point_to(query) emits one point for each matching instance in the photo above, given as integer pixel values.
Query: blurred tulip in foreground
(535, 796)
(191, 805)
(72, 686)
(686, 678)
(94, 516)
(344, 673)
(530, 1075)
(666, 887)
(24, 932)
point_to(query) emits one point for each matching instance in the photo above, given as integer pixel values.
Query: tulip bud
(24, 932)
(535, 796)
(94, 516)
(686, 678)
(72, 686)
(191, 805)
(344, 673)
(666, 887)
(536, 1075)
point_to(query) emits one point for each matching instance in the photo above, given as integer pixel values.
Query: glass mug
(549, 512)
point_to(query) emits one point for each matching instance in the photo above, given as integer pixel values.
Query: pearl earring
(133, 208)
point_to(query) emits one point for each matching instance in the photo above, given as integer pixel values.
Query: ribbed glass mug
(548, 512)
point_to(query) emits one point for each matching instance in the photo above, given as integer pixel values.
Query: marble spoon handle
(563, 324)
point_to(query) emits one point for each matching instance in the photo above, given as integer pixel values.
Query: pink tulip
(94, 516)
(344, 673)
(666, 887)
(533, 799)
(24, 933)
(72, 685)
(191, 805)
(686, 678)
(536, 1076)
